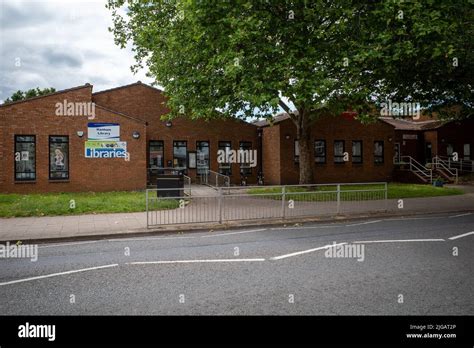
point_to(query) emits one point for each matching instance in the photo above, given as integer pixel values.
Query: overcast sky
(60, 44)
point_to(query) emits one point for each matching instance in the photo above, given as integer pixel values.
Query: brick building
(124, 141)
(369, 149)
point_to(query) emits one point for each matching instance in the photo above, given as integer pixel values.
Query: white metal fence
(264, 202)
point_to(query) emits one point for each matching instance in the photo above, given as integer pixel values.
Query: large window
(202, 154)
(378, 151)
(25, 157)
(320, 151)
(225, 168)
(245, 168)
(467, 151)
(179, 154)
(339, 151)
(156, 153)
(58, 157)
(296, 154)
(357, 151)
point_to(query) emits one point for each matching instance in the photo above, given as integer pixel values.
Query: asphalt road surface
(408, 266)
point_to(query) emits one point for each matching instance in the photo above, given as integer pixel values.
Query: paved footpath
(83, 226)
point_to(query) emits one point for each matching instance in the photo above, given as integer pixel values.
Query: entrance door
(397, 156)
(428, 154)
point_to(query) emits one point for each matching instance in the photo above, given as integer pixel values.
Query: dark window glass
(59, 157)
(202, 154)
(156, 153)
(296, 154)
(25, 157)
(378, 151)
(320, 151)
(357, 151)
(245, 167)
(179, 154)
(339, 151)
(225, 168)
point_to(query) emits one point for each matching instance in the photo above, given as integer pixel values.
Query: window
(339, 151)
(378, 151)
(320, 151)
(357, 151)
(244, 157)
(179, 154)
(58, 157)
(449, 150)
(297, 151)
(467, 152)
(202, 163)
(25, 157)
(156, 152)
(225, 168)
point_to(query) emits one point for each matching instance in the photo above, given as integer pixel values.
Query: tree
(312, 59)
(34, 92)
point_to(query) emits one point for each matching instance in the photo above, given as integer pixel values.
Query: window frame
(361, 152)
(185, 154)
(208, 155)
(229, 169)
(67, 157)
(296, 151)
(245, 170)
(149, 153)
(325, 152)
(383, 152)
(15, 172)
(343, 150)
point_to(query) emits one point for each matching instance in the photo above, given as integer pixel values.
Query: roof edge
(88, 85)
(138, 83)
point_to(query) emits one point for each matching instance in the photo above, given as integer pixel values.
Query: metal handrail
(438, 162)
(217, 177)
(462, 164)
(417, 168)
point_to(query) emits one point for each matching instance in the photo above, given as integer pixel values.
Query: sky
(60, 44)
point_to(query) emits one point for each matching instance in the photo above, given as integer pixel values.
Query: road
(407, 268)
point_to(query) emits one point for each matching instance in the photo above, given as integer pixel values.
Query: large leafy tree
(310, 58)
(33, 92)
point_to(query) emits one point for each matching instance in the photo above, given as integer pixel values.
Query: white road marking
(304, 251)
(399, 241)
(461, 235)
(455, 216)
(364, 223)
(57, 274)
(304, 227)
(229, 233)
(193, 261)
(65, 244)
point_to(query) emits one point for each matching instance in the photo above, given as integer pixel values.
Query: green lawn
(395, 190)
(15, 205)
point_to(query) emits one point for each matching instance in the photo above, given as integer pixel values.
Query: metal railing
(266, 202)
(462, 165)
(443, 167)
(425, 174)
(214, 179)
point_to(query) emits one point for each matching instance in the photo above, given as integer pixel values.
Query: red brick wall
(271, 155)
(340, 128)
(148, 104)
(37, 117)
(458, 134)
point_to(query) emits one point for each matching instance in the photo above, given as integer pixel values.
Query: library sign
(104, 141)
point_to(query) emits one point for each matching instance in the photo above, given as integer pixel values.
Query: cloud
(60, 44)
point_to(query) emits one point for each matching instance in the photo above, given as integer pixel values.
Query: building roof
(276, 119)
(410, 125)
(46, 95)
(138, 83)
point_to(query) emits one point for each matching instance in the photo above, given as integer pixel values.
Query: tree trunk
(303, 129)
